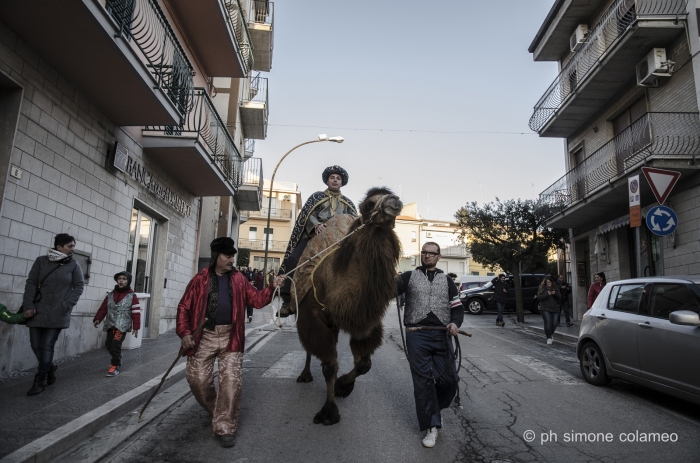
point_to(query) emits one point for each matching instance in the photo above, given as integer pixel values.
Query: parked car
(473, 281)
(477, 300)
(647, 331)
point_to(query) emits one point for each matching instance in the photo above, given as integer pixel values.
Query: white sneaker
(430, 438)
(549, 340)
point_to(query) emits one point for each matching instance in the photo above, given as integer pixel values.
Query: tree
(509, 234)
(243, 259)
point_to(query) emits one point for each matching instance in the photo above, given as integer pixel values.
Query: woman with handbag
(53, 287)
(549, 297)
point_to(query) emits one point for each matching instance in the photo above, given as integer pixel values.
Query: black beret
(336, 170)
(126, 274)
(223, 245)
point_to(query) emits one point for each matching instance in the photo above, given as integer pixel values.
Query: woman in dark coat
(53, 287)
(549, 296)
(500, 293)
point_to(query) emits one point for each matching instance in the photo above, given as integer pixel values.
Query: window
(268, 234)
(273, 263)
(490, 274)
(475, 273)
(625, 298)
(530, 281)
(667, 298)
(84, 259)
(253, 233)
(413, 237)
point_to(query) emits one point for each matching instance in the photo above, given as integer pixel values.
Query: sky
(394, 78)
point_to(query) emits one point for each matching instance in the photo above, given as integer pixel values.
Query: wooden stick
(435, 328)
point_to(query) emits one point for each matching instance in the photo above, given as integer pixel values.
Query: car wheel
(593, 365)
(475, 307)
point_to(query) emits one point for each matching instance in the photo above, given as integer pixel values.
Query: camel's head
(380, 206)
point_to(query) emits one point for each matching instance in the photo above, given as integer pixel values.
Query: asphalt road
(512, 383)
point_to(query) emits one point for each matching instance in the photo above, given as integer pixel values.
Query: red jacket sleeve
(256, 297)
(136, 313)
(591, 296)
(185, 309)
(101, 312)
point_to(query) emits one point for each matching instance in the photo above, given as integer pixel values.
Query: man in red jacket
(220, 293)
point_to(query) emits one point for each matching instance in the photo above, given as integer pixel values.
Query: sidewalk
(81, 388)
(562, 333)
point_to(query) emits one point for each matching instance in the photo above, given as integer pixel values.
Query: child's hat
(126, 274)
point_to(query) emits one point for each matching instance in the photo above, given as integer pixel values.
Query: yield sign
(661, 181)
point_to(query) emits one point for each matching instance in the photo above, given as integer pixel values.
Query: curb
(62, 439)
(558, 336)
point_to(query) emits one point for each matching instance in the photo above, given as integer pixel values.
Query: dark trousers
(550, 322)
(249, 310)
(564, 307)
(500, 306)
(43, 342)
(428, 355)
(291, 262)
(115, 338)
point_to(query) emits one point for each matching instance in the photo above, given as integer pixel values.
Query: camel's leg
(362, 350)
(306, 376)
(329, 414)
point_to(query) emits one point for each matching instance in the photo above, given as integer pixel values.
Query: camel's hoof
(305, 378)
(344, 386)
(328, 415)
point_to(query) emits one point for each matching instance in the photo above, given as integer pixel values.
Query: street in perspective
(389, 265)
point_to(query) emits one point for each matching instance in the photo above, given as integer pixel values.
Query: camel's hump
(337, 228)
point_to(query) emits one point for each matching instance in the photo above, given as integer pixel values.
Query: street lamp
(322, 137)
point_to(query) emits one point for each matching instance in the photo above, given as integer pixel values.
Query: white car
(647, 331)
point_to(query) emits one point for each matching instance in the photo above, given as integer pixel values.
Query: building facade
(284, 209)
(626, 97)
(118, 142)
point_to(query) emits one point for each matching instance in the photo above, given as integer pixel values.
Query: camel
(350, 289)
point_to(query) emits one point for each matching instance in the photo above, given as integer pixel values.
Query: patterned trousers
(224, 406)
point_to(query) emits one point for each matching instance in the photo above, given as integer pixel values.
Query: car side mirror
(684, 317)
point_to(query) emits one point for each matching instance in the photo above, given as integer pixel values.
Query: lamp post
(321, 138)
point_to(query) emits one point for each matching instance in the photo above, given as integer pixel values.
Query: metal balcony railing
(614, 23)
(202, 120)
(654, 134)
(275, 213)
(264, 12)
(259, 245)
(240, 28)
(249, 147)
(143, 23)
(252, 175)
(258, 90)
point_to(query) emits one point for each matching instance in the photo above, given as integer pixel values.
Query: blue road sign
(661, 220)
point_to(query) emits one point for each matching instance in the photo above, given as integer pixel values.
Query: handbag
(37, 296)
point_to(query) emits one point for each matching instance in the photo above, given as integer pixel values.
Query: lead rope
(277, 319)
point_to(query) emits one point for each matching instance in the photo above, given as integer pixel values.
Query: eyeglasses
(429, 254)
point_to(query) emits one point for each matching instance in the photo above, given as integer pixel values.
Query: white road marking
(288, 366)
(553, 374)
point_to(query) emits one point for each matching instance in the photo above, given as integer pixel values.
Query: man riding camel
(220, 293)
(320, 207)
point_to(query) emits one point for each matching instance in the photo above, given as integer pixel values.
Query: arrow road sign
(661, 220)
(661, 181)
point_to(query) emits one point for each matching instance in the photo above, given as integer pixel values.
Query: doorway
(140, 260)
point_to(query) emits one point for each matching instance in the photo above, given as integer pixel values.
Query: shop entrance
(139, 262)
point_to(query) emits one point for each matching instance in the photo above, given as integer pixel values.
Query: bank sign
(140, 174)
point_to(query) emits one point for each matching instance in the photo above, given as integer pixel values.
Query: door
(669, 353)
(140, 259)
(617, 326)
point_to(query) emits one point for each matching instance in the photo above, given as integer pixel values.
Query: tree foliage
(243, 259)
(509, 234)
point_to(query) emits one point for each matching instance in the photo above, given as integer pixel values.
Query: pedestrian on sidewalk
(432, 299)
(599, 282)
(14, 318)
(564, 289)
(500, 293)
(549, 296)
(53, 287)
(123, 313)
(220, 293)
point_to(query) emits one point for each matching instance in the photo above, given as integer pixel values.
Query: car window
(625, 298)
(529, 282)
(667, 298)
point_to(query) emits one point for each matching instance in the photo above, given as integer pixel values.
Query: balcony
(254, 109)
(121, 54)
(262, 34)
(199, 153)
(249, 148)
(259, 245)
(250, 192)
(275, 214)
(605, 63)
(218, 33)
(596, 190)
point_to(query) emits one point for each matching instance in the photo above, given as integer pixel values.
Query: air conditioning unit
(653, 66)
(428, 234)
(578, 37)
(287, 197)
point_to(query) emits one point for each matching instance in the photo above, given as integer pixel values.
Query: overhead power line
(405, 130)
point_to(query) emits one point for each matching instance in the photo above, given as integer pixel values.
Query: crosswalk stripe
(546, 370)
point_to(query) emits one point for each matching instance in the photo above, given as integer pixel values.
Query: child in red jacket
(122, 311)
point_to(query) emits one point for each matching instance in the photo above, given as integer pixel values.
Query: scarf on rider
(56, 256)
(334, 200)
